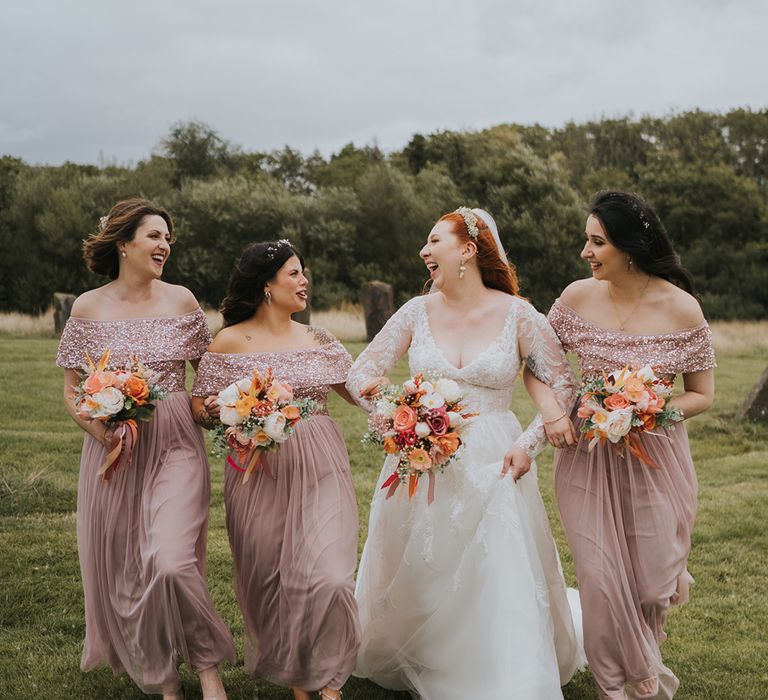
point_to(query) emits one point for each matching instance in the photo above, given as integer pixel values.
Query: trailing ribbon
(120, 448)
(635, 446)
(251, 459)
(393, 481)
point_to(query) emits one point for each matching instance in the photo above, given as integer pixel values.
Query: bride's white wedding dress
(464, 599)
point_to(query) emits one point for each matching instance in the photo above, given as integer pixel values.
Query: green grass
(717, 644)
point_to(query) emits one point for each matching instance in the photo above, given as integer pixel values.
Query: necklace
(622, 324)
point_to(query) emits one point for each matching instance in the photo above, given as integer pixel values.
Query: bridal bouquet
(257, 414)
(418, 424)
(119, 398)
(617, 407)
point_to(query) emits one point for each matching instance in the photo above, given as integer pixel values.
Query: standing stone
(756, 406)
(304, 316)
(62, 307)
(378, 306)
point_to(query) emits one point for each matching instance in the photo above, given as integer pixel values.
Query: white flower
(228, 397)
(646, 374)
(410, 386)
(432, 400)
(274, 426)
(108, 402)
(385, 408)
(422, 429)
(449, 389)
(427, 387)
(244, 384)
(618, 424)
(230, 416)
(455, 420)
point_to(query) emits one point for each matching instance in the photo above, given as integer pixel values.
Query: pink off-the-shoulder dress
(142, 536)
(629, 525)
(293, 528)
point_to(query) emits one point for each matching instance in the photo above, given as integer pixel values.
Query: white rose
(274, 426)
(618, 424)
(228, 397)
(454, 419)
(449, 389)
(433, 400)
(108, 402)
(422, 429)
(229, 416)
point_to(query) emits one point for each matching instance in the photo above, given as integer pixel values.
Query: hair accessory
(470, 219)
(103, 222)
(272, 248)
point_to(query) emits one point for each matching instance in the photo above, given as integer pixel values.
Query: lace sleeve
(544, 356)
(383, 352)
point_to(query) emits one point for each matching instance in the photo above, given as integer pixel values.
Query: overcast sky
(98, 80)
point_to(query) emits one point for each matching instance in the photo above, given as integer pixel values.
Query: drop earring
(268, 296)
(462, 269)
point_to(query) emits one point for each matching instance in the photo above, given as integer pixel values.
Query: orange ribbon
(120, 450)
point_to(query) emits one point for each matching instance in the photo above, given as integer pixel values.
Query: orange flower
(448, 443)
(390, 446)
(649, 421)
(291, 413)
(245, 403)
(419, 459)
(616, 401)
(404, 419)
(634, 388)
(136, 388)
(97, 381)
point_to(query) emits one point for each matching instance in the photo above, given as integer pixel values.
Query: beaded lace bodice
(164, 344)
(488, 381)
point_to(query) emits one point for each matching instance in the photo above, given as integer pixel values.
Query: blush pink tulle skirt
(629, 529)
(142, 544)
(293, 532)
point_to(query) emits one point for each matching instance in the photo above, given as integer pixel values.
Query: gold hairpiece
(470, 219)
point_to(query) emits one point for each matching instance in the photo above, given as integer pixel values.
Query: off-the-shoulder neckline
(682, 331)
(286, 351)
(137, 318)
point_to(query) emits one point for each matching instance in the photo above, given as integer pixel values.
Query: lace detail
(489, 380)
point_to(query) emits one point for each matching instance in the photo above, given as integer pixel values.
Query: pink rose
(438, 422)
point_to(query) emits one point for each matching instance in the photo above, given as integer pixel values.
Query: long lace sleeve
(544, 356)
(383, 352)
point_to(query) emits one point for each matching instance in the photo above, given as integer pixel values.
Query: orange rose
(404, 419)
(390, 446)
(291, 413)
(448, 443)
(615, 402)
(649, 421)
(136, 388)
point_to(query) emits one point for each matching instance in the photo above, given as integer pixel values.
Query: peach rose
(280, 393)
(404, 419)
(615, 402)
(136, 388)
(98, 381)
(634, 389)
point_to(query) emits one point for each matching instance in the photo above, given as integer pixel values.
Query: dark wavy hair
(257, 265)
(633, 226)
(120, 224)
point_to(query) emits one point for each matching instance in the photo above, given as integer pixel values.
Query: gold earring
(462, 269)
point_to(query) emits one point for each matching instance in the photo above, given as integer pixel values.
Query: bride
(464, 598)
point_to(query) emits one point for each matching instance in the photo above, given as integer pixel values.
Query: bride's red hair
(495, 273)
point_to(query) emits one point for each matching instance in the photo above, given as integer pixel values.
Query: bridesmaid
(628, 525)
(293, 526)
(142, 536)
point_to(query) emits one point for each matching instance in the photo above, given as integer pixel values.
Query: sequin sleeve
(336, 365)
(198, 336)
(72, 345)
(208, 378)
(697, 353)
(544, 356)
(383, 352)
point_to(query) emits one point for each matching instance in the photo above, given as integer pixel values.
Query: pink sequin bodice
(310, 371)
(164, 344)
(600, 349)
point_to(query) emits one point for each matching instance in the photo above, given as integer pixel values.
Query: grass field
(717, 644)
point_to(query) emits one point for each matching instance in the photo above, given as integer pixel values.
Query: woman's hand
(211, 407)
(106, 438)
(560, 431)
(517, 462)
(372, 389)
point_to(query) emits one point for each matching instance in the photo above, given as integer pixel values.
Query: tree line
(362, 214)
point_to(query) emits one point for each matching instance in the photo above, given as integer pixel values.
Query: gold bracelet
(554, 420)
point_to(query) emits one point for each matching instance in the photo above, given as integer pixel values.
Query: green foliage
(361, 214)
